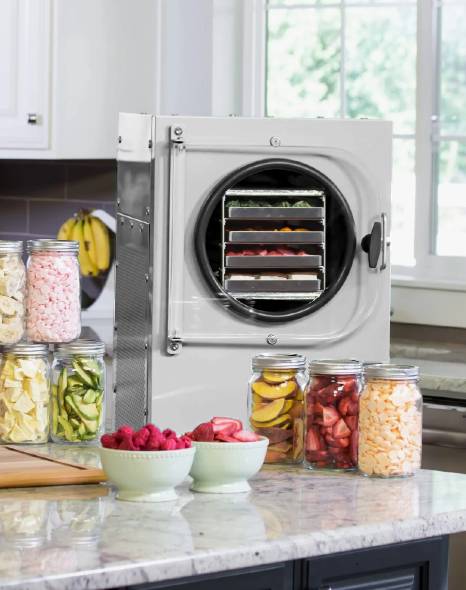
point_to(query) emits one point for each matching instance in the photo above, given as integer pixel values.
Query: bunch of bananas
(94, 242)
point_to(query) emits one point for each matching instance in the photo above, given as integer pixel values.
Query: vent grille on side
(132, 314)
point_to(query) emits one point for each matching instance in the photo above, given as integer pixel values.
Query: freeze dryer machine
(237, 236)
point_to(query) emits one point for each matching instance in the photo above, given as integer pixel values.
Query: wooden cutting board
(21, 467)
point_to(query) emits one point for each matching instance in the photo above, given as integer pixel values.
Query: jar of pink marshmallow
(53, 303)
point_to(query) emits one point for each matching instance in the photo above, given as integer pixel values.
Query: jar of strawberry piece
(332, 410)
(276, 404)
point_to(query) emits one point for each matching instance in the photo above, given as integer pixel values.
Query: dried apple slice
(269, 411)
(274, 392)
(277, 376)
(280, 421)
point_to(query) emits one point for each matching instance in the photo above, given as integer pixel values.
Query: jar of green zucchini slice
(78, 392)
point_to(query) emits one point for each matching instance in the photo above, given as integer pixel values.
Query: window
(375, 58)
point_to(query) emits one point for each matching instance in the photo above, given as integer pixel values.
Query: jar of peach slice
(276, 404)
(390, 421)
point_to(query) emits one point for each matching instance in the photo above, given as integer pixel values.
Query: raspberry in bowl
(148, 464)
(226, 456)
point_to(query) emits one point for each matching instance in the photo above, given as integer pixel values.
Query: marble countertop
(439, 375)
(76, 537)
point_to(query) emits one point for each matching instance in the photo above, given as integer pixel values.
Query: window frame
(432, 272)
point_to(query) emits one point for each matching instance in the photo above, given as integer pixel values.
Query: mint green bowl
(224, 468)
(146, 476)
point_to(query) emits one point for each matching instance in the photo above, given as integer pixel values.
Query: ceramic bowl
(146, 476)
(224, 468)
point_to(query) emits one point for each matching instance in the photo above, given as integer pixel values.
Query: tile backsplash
(37, 196)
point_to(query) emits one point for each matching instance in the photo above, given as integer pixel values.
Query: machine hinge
(177, 137)
(175, 345)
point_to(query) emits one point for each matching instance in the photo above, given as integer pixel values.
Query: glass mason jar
(24, 394)
(53, 291)
(12, 292)
(78, 392)
(390, 438)
(332, 409)
(276, 406)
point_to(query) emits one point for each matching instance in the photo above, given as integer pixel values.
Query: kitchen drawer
(273, 577)
(418, 565)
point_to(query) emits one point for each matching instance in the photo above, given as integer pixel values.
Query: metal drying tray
(284, 262)
(276, 237)
(271, 286)
(280, 213)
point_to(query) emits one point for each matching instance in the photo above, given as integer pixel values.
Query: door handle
(372, 244)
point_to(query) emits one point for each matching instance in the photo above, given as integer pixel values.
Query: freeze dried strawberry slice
(353, 408)
(221, 437)
(354, 447)
(343, 442)
(203, 433)
(220, 423)
(246, 436)
(343, 405)
(226, 429)
(351, 422)
(316, 455)
(330, 416)
(312, 439)
(341, 430)
(348, 383)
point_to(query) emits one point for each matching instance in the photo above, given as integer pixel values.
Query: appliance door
(444, 449)
(209, 157)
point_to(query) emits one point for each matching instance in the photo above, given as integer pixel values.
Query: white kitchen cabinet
(24, 73)
(67, 69)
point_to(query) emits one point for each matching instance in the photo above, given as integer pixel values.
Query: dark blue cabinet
(417, 565)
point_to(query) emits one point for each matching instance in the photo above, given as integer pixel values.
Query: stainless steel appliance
(444, 449)
(237, 236)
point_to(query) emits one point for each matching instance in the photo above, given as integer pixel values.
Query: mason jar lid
(389, 371)
(27, 349)
(81, 347)
(335, 367)
(7, 247)
(52, 246)
(279, 361)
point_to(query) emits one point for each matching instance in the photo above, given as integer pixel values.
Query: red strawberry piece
(222, 437)
(108, 441)
(246, 436)
(336, 452)
(330, 416)
(354, 447)
(316, 455)
(343, 405)
(340, 430)
(227, 429)
(227, 421)
(320, 382)
(169, 433)
(348, 383)
(323, 430)
(352, 422)
(203, 433)
(330, 392)
(312, 439)
(331, 441)
(343, 442)
(169, 444)
(353, 408)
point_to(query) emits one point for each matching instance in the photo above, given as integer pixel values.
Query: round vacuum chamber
(275, 240)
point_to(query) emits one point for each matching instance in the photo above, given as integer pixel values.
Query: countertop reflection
(73, 537)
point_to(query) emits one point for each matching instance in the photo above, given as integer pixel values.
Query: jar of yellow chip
(390, 421)
(24, 394)
(276, 404)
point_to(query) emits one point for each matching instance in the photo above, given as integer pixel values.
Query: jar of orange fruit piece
(276, 404)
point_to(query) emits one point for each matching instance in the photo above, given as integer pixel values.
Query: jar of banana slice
(12, 292)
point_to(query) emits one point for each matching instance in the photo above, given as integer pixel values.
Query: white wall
(201, 57)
